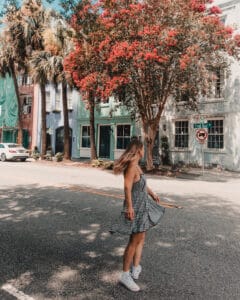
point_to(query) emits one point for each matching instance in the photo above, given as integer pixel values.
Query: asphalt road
(54, 240)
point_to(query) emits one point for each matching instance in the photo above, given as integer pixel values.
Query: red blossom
(212, 20)
(172, 32)
(215, 10)
(237, 39)
(229, 30)
(198, 6)
(150, 56)
(104, 43)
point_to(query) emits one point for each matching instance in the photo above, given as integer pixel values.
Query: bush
(108, 165)
(97, 163)
(59, 156)
(100, 163)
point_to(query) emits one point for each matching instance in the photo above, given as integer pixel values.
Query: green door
(104, 141)
(59, 143)
(25, 138)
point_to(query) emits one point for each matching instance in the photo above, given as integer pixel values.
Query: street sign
(202, 125)
(201, 135)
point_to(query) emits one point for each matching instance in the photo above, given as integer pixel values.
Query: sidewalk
(212, 175)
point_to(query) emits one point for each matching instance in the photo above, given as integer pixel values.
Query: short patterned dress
(147, 212)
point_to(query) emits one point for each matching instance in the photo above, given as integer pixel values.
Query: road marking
(10, 289)
(92, 191)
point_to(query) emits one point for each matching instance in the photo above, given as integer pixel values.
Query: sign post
(202, 135)
(1, 135)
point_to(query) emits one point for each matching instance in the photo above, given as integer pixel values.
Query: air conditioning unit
(25, 109)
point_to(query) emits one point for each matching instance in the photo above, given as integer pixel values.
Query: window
(27, 105)
(24, 80)
(69, 98)
(48, 101)
(123, 136)
(58, 100)
(182, 96)
(105, 101)
(215, 134)
(86, 136)
(216, 89)
(181, 134)
(219, 83)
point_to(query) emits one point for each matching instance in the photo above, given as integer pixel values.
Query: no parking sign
(201, 135)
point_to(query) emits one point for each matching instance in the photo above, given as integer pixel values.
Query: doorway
(104, 141)
(59, 142)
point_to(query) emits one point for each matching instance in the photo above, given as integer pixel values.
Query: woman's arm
(154, 196)
(157, 199)
(128, 183)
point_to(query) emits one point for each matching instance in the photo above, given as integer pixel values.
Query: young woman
(140, 212)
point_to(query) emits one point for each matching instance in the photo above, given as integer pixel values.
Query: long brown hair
(128, 155)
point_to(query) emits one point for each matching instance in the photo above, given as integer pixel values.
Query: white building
(54, 118)
(221, 111)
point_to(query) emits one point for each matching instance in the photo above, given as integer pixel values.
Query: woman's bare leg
(138, 252)
(133, 250)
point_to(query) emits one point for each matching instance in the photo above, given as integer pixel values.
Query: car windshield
(14, 146)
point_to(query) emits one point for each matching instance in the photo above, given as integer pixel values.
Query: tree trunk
(43, 121)
(67, 154)
(19, 122)
(92, 125)
(150, 131)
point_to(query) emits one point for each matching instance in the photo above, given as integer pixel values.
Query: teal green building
(113, 128)
(8, 110)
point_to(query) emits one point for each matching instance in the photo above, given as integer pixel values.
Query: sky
(54, 5)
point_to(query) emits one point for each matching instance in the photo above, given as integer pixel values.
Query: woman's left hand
(156, 198)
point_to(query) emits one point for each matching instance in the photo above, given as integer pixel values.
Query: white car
(12, 151)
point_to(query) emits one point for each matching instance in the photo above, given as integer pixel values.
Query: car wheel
(3, 157)
(23, 159)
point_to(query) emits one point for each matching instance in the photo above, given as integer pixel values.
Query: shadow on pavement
(55, 245)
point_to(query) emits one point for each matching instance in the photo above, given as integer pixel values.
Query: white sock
(125, 273)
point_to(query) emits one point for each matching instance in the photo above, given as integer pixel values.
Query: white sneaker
(128, 282)
(136, 272)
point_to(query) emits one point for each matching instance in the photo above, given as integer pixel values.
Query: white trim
(217, 150)
(120, 124)
(85, 152)
(215, 118)
(181, 149)
(10, 289)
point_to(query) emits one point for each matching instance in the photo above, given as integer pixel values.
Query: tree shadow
(55, 245)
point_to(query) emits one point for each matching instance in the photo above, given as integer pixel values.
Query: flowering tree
(148, 52)
(83, 64)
